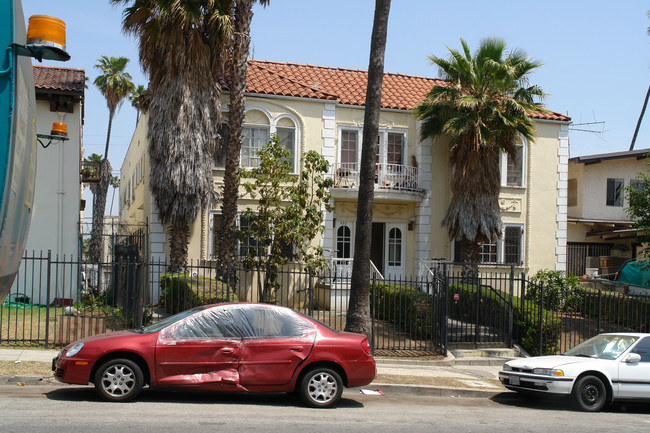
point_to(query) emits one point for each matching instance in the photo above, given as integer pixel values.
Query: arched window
(343, 242)
(286, 132)
(256, 133)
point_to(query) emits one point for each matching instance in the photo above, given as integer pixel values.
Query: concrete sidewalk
(473, 376)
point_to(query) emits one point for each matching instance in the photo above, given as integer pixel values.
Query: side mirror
(633, 358)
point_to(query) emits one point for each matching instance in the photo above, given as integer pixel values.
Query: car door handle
(227, 350)
(296, 349)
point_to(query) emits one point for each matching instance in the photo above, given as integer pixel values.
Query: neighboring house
(322, 108)
(57, 197)
(600, 232)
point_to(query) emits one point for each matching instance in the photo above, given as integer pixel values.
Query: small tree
(288, 216)
(638, 209)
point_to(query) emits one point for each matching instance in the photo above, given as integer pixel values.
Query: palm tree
(483, 108)
(358, 315)
(236, 111)
(115, 85)
(137, 99)
(115, 183)
(183, 46)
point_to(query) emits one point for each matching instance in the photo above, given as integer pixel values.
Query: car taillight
(366, 346)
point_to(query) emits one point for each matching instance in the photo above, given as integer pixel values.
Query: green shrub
(561, 292)
(181, 292)
(404, 306)
(525, 322)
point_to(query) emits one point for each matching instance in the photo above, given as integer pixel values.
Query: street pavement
(473, 376)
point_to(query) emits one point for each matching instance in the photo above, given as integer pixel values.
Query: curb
(433, 391)
(386, 388)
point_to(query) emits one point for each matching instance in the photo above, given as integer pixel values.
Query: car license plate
(514, 380)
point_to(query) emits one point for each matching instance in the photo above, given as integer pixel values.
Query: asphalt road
(70, 408)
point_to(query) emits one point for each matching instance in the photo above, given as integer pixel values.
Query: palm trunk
(358, 316)
(178, 238)
(238, 68)
(99, 199)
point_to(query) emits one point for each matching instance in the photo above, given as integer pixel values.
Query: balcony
(89, 172)
(392, 181)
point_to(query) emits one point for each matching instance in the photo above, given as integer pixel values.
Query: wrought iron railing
(395, 177)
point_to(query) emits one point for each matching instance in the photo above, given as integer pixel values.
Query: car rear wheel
(321, 387)
(590, 394)
(119, 380)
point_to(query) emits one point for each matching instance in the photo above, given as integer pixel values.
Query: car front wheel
(321, 387)
(590, 394)
(119, 380)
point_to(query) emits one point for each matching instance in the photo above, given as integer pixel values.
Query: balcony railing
(395, 177)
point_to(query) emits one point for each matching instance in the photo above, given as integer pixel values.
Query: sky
(595, 54)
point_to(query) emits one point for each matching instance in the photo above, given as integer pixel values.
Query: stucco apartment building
(57, 195)
(600, 234)
(322, 108)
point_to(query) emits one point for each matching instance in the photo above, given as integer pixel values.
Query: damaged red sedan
(225, 347)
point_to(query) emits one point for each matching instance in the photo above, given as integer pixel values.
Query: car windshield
(163, 323)
(604, 346)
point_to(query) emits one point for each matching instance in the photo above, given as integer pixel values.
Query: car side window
(643, 349)
(200, 325)
(269, 323)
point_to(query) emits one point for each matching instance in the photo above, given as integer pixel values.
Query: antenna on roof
(587, 127)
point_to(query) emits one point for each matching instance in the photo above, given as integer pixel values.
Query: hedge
(182, 291)
(525, 321)
(404, 306)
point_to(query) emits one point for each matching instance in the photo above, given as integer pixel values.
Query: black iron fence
(57, 300)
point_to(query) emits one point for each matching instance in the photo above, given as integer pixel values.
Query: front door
(377, 246)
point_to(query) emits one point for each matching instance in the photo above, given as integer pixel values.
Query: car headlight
(74, 350)
(506, 367)
(548, 372)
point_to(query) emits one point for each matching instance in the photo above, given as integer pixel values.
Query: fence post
(47, 297)
(510, 306)
(477, 333)
(541, 313)
(310, 292)
(600, 306)
(372, 315)
(443, 293)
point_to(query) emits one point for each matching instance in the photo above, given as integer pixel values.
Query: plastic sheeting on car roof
(240, 321)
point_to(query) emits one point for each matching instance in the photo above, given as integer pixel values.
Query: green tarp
(635, 274)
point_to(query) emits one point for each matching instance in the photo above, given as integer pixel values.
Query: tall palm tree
(137, 98)
(236, 110)
(115, 85)
(483, 108)
(115, 183)
(358, 315)
(183, 45)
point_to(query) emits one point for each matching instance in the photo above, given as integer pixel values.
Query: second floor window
(395, 148)
(349, 146)
(253, 138)
(614, 192)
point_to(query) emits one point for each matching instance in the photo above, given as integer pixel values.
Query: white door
(634, 378)
(394, 257)
(343, 255)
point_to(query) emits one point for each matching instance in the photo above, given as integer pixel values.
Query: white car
(603, 369)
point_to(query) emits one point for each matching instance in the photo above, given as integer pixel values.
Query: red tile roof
(347, 86)
(61, 79)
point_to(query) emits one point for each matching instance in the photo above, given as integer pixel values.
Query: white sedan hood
(553, 361)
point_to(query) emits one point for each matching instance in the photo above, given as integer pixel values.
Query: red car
(224, 347)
